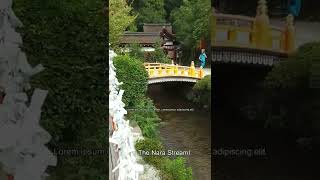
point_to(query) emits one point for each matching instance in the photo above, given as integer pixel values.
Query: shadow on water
(189, 129)
(243, 150)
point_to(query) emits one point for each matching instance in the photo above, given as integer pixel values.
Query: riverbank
(150, 172)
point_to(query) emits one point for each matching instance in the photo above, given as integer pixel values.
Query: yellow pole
(192, 69)
(201, 73)
(182, 72)
(213, 24)
(151, 72)
(253, 35)
(167, 70)
(290, 35)
(232, 35)
(262, 33)
(148, 69)
(175, 70)
(160, 70)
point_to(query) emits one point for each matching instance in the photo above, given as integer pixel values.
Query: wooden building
(149, 37)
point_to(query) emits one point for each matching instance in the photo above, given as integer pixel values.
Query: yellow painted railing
(156, 70)
(252, 32)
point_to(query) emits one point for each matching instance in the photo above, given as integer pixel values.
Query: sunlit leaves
(119, 19)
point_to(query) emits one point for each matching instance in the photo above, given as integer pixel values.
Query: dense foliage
(288, 88)
(145, 116)
(191, 24)
(201, 92)
(149, 145)
(169, 168)
(136, 52)
(151, 11)
(120, 19)
(68, 38)
(176, 169)
(171, 5)
(158, 55)
(132, 73)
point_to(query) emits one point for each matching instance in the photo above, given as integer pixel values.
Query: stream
(189, 128)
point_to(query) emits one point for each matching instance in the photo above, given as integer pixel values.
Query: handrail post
(160, 70)
(262, 31)
(213, 25)
(192, 69)
(175, 70)
(232, 34)
(167, 70)
(183, 73)
(200, 73)
(289, 34)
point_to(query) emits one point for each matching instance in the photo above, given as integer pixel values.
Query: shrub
(159, 55)
(132, 73)
(294, 72)
(68, 39)
(291, 78)
(145, 116)
(176, 169)
(136, 52)
(201, 92)
(150, 145)
(169, 169)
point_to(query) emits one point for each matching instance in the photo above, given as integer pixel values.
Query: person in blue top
(202, 58)
(294, 7)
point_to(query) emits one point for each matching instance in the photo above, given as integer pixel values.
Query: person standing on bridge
(294, 7)
(202, 58)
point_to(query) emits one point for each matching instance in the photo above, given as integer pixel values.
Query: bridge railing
(156, 70)
(252, 32)
(233, 30)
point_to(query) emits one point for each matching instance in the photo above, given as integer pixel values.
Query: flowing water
(186, 129)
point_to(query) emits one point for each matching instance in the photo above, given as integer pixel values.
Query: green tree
(136, 52)
(191, 23)
(152, 11)
(201, 92)
(120, 19)
(170, 5)
(132, 73)
(158, 55)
